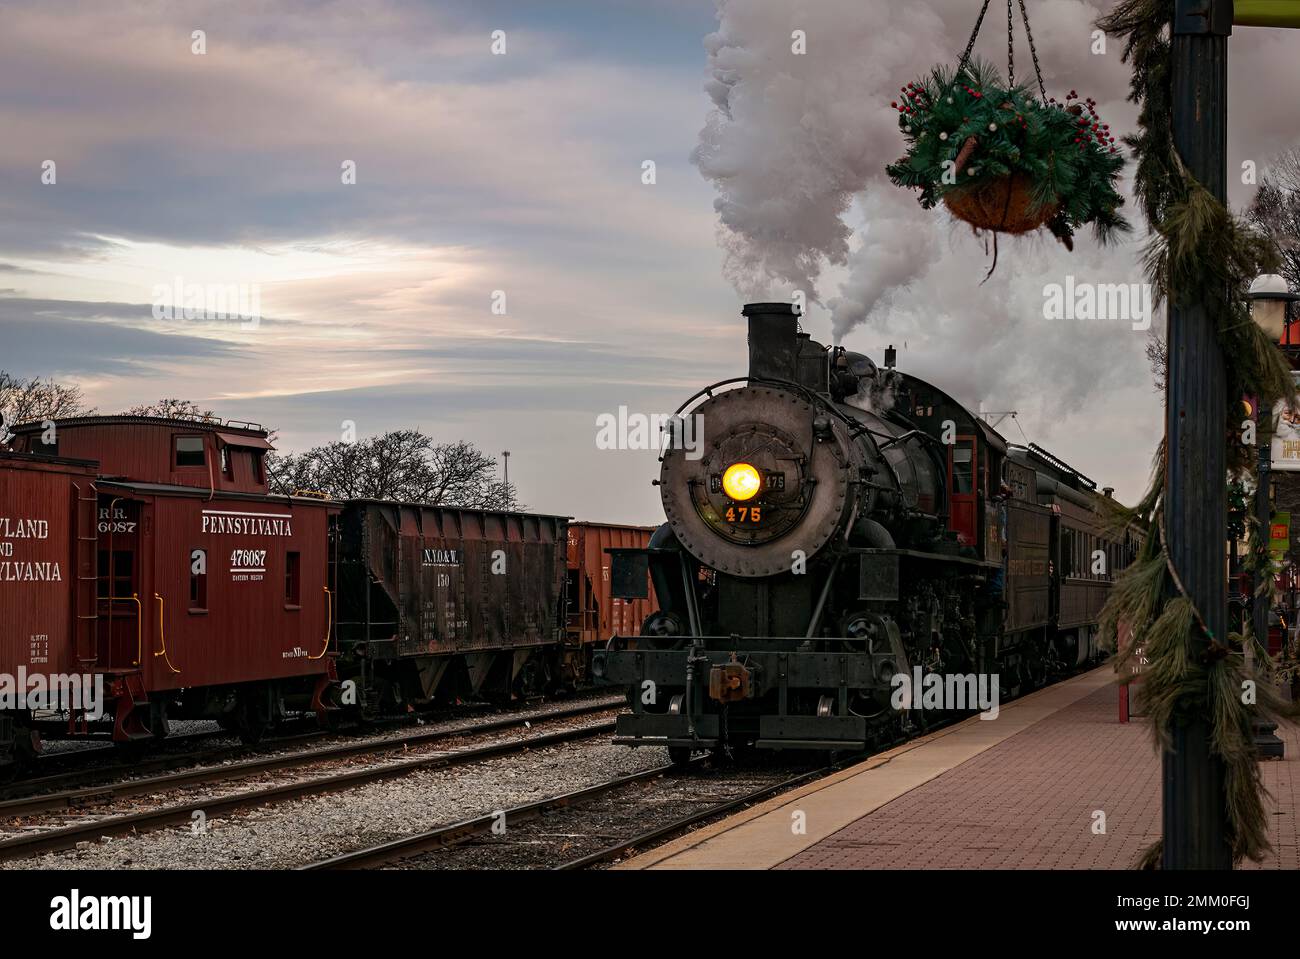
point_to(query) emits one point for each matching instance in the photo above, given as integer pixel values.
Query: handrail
(329, 621)
(162, 635)
(139, 619)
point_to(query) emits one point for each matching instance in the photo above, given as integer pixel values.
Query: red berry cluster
(914, 93)
(1091, 129)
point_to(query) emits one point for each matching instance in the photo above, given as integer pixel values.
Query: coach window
(198, 581)
(189, 451)
(292, 580)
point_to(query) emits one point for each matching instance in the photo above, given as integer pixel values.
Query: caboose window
(227, 463)
(189, 451)
(198, 580)
(292, 579)
(258, 475)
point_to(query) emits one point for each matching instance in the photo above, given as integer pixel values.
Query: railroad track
(88, 774)
(521, 825)
(92, 774)
(66, 837)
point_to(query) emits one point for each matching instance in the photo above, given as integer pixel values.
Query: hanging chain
(1011, 50)
(1011, 53)
(961, 64)
(1024, 15)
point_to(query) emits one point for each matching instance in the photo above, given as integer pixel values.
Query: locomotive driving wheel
(678, 755)
(1035, 667)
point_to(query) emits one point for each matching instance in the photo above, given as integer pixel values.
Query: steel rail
(75, 795)
(443, 837)
(67, 837)
(661, 833)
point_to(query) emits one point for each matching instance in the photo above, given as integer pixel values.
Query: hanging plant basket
(1001, 204)
(1005, 160)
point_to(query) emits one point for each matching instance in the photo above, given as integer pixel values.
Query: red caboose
(196, 594)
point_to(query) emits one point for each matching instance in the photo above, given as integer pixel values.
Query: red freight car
(208, 597)
(595, 614)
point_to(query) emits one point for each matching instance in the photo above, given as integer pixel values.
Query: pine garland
(966, 129)
(1204, 254)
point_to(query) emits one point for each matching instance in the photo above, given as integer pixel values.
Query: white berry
(993, 126)
(943, 136)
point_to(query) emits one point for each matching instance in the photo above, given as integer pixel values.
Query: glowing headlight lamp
(741, 481)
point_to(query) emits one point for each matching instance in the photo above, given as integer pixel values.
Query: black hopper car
(839, 525)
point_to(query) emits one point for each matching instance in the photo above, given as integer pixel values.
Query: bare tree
(171, 408)
(1276, 210)
(1158, 357)
(404, 465)
(33, 400)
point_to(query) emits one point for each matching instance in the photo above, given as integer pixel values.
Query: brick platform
(1025, 801)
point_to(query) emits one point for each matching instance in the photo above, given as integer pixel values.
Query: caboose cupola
(223, 456)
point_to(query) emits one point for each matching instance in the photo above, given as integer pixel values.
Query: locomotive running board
(932, 557)
(829, 744)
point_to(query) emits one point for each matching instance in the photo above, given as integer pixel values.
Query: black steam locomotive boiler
(832, 525)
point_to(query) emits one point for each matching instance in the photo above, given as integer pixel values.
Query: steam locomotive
(844, 530)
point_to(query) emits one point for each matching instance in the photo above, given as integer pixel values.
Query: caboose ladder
(84, 598)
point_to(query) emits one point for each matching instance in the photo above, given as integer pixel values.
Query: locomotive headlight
(741, 481)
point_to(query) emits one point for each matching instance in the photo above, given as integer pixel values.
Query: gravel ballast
(294, 833)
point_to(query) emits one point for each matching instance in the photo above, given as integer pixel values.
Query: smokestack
(773, 340)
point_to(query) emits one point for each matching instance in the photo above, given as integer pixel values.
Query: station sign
(1279, 535)
(1137, 665)
(1286, 438)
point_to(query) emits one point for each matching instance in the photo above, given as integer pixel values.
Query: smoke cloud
(796, 148)
(795, 137)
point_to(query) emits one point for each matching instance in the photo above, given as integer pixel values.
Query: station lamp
(1268, 298)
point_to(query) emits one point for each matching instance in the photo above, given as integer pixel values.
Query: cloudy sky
(523, 173)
